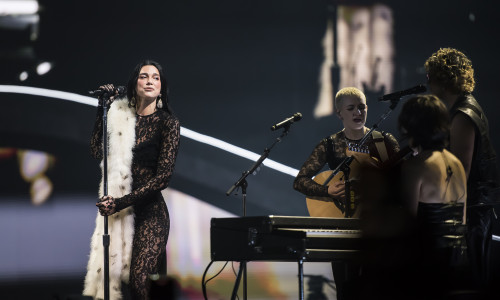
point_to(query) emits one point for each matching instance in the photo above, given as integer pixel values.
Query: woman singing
(351, 109)
(143, 140)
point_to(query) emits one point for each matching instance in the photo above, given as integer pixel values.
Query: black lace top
(154, 154)
(157, 143)
(322, 155)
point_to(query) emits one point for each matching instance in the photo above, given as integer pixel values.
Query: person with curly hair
(450, 76)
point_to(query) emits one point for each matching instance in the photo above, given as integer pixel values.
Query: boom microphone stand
(243, 184)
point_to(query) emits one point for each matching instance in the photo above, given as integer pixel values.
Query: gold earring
(159, 103)
(132, 101)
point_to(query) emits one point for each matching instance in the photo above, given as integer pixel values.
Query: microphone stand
(242, 182)
(105, 237)
(344, 166)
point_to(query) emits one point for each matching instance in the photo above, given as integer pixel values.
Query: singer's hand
(106, 205)
(337, 190)
(111, 92)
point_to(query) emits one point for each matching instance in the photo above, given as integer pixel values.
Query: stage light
(205, 139)
(32, 166)
(33, 163)
(40, 190)
(18, 7)
(43, 68)
(472, 17)
(23, 76)
(237, 151)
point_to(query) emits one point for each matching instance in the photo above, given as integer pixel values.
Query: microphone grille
(422, 88)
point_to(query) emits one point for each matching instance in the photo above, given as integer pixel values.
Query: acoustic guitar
(333, 208)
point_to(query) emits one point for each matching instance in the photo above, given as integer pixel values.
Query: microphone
(121, 90)
(397, 95)
(287, 122)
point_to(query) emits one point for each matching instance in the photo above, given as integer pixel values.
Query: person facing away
(433, 188)
(450, 76)
(414, 241)
(143, 141)
(433, 174)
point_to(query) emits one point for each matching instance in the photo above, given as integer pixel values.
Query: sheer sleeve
(96, 139)
(316, 161)
(169, 145)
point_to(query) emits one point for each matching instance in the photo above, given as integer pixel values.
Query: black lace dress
(332, 153)
(154, 155)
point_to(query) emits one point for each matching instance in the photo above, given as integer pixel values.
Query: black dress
(442, 232)
(441, 237)
(154, 155)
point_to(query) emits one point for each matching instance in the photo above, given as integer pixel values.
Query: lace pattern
(321, 156)
(155, 152)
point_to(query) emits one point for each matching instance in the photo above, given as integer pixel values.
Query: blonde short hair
(348, 92)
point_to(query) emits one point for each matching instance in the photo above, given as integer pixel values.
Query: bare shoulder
(415, 165)
(462, 122)
(454, 162)
(419, 160)
(450, 156)
(425, 165)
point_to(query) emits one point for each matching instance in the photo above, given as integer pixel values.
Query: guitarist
(351, 109)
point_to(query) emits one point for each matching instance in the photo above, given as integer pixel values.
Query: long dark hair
(132, 83)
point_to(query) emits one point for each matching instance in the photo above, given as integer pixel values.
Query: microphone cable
(204, 283)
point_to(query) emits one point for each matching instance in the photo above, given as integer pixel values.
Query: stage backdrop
(234, 69)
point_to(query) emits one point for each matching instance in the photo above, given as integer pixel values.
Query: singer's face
(352, 113)
(148, 83)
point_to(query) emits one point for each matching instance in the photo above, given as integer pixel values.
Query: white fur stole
(121, 133)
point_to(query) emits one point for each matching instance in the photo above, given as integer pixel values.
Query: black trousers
(345, 273)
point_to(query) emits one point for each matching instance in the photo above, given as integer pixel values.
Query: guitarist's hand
(337, 190)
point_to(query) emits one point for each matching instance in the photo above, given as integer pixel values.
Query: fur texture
(121, 134)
